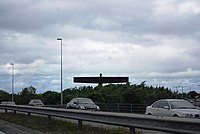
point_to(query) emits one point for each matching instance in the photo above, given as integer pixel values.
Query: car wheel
(79, 108)
(175, 115)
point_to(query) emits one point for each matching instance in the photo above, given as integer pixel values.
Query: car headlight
(98, 108)
(188, 115)
(82, 107)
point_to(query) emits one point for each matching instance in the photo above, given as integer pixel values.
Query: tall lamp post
(12, 64)
(182, 90)
(176, 90)
(61, 83)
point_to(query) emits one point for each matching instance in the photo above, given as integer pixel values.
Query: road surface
(10, 128)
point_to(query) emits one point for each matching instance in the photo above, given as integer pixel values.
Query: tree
(192, 94)
(111, 93)
(50, 98)
(26, 95)
(4, 96)
(130, 96)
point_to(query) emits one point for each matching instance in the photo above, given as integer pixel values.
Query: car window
(164, 103)
(85, 101)
(156, 104)
(36, 101)
(160, 104)
(181, 105)
(73, 101)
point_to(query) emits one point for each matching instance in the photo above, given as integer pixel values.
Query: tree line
(112, 93)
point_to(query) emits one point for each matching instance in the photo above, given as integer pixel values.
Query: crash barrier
(166, 124)
(123, 107)
(126, 107)
(115, 107)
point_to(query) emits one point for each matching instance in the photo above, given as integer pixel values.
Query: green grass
(55, 126)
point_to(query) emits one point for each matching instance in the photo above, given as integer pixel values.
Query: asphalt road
(110, 126)
(10, 128)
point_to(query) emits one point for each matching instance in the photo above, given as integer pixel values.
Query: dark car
(83, 104)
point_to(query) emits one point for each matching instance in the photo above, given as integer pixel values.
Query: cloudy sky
(157, 41)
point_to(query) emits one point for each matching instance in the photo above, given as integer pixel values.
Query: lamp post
(61, 83)
(182, 90)
(176, 90)
(12, 64)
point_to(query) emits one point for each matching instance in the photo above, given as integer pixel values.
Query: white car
(173, 108)
(36, 102)
(8, 103)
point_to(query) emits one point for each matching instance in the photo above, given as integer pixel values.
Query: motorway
(10, 128)
(111, 126)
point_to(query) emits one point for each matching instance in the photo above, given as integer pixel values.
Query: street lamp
(12, 64)
(182, 90)
(176, 90)
(61, 83)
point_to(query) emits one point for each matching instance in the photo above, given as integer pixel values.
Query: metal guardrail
(166, 124)
(123, 107)
(115, 107)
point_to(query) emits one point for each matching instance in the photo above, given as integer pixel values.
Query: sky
(157, 41)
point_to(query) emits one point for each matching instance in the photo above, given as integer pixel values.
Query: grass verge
(55, 126)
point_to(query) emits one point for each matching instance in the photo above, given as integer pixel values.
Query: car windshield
(181, 105)
(85, 101)
(36, 101)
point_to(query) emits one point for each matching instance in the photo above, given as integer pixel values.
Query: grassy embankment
(54, 126)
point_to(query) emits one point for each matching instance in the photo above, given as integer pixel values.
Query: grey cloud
(114, 37)
(126, 16)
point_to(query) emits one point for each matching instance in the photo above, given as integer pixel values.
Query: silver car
(83, 104)
(173, 108)
(8, 103)
(36, 102)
